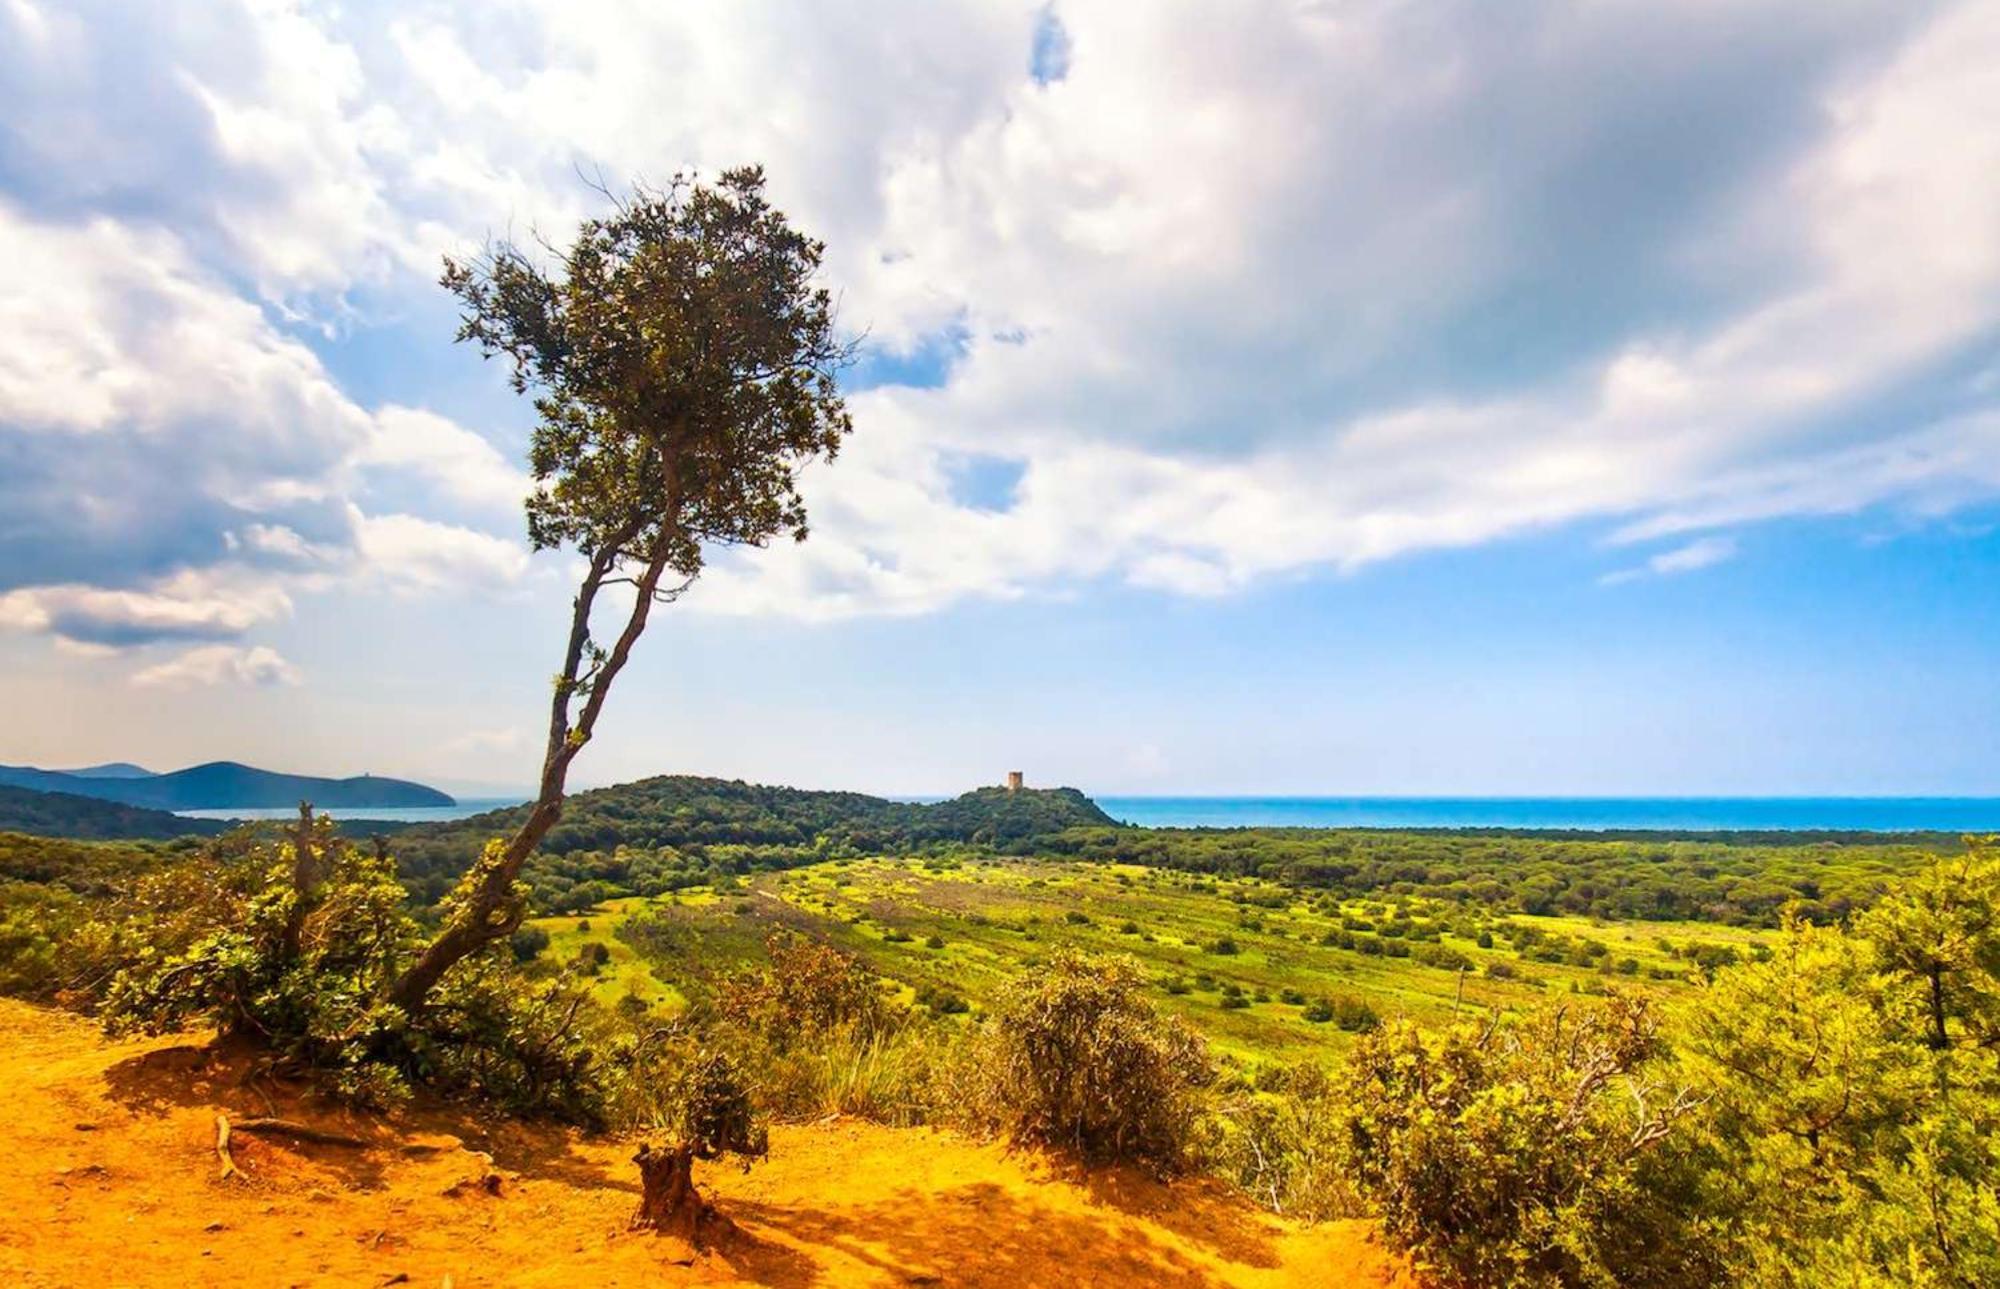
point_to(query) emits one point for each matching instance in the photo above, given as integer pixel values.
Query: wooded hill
(681, 822)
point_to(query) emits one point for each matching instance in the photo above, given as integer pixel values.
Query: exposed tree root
(302, 1131)
(272, 1127)
(229, 1168)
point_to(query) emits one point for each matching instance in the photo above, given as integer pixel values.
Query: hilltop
(222, 785)
(102, 1131)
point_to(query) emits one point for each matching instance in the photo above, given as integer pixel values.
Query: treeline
(1736, 882)
(63, 814)
(675, 831)
(82, 867)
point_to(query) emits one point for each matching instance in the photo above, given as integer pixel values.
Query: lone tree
(682, 360)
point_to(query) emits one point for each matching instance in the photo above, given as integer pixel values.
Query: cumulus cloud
(446, 457)
(174, 466)
(186, 606)
(410, 553)
(1238, 291)
(207, 666)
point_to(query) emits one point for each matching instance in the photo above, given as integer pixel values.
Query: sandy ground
(109, 1177)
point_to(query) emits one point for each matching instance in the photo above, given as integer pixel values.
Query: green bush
(1533, 1154)
(528, 943)
(1286, 1151)
(694, 1093)
(1083, 1064)
(231, 938)
(1354, 1014)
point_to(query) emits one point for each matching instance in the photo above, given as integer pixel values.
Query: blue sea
(466, 807)
(1679, 814)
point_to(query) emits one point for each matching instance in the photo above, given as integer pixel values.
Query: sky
(1375, 398)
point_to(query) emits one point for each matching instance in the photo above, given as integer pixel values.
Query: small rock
(432, 1145)
(212, 1227)
(491, 1183)
(86, 1127)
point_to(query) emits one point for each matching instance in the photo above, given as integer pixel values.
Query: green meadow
(1243, 959)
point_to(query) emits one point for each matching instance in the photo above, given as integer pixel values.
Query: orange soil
(109, 1177)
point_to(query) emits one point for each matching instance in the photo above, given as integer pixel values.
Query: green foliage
(528, 943)
(695, 1093)
(1288, 1151)
(1856, 1091)
(808, 989)
(1083, 1064)
(1526, 1154)
(37, 923)
(683, 362)
(307, 987)
(231, 938)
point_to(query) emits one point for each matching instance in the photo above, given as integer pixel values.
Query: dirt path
(109, 1177)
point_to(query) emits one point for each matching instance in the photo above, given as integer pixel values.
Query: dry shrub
(808, 989)
(1083, 1064)
(918, 1072)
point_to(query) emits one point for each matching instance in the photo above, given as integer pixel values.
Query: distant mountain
(226, 785)
(61, 814)
(111, 770)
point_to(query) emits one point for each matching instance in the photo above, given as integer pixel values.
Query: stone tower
(1013, 780)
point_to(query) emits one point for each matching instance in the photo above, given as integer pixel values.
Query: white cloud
(446, 457)
(219, 664)
(1703, 552)
(413, 554)
(185, 606)
(1250, 290)
(173, 465)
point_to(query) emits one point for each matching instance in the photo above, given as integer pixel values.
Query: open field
(1242, 959)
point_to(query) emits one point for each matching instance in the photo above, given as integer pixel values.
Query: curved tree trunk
(491, 912)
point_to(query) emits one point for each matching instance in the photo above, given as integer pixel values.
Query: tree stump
(668, 1201)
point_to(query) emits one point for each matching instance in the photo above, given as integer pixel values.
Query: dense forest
(1740, 879)
(63, 814)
